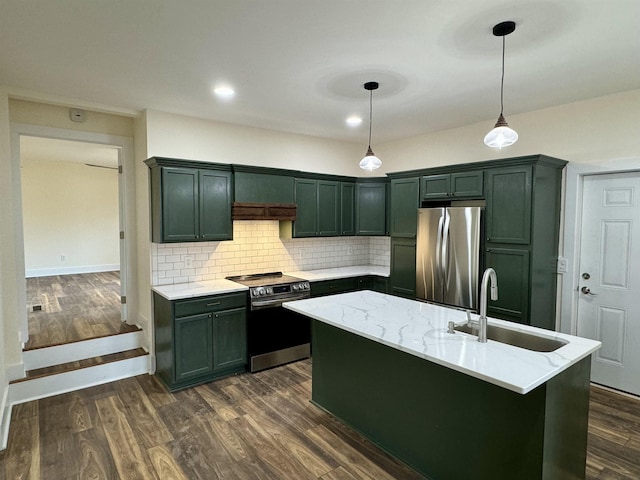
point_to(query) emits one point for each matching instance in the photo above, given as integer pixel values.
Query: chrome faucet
(488, 276)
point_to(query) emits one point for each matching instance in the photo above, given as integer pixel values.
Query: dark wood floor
(74, 307)
(251, 426)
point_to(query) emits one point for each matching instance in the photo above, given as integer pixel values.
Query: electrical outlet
(563, 265)
(188, 261)
(63, 258)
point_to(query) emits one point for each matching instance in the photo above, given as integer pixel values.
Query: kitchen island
(447, 405)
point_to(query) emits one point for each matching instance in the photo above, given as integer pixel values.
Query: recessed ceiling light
(224, 92)
(354, 120)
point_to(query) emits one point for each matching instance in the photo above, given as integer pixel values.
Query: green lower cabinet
(199, 339)
(229, 339)
(512, 269)
(193, 346)
(403, 267)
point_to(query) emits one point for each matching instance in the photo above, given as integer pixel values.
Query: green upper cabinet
(306, 199)
(347, 208)
(328, 208)
(190, 201)
(255, 187)
(179, 205)
(215, 200)
(318, 208)
(404, 207)
(452, 185)
(509, 204)
(371, 208)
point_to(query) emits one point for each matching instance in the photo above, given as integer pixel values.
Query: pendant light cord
(501, 80)
(370, 114)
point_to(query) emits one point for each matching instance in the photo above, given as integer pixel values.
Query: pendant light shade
(370, 162)
(502, 135)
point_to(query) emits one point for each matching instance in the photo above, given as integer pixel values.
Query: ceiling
(299, 66)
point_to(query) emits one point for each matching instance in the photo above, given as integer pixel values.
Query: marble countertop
(420, 329)
(341, 272)
(179, 291)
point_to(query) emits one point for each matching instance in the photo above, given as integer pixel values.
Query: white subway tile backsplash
(257, 248)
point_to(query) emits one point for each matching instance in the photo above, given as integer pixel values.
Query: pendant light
(502, 135)
(370, 161)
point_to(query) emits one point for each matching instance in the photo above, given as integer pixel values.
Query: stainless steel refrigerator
(448, 255)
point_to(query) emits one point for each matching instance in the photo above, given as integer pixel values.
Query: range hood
(263, 211)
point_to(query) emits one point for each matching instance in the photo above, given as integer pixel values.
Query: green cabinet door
(512, 269)
(193, 346)
(306, 223)
(508, 194)
(370, 208)
(347, 208)
(328, 208)
(263, 188)
(467, 184)
(452, 185)
(180, 210)
(229, 339)
(436, 186)
(215, 197)
(403, 267)
(404, 207)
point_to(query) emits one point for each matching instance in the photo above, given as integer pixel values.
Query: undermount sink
(516, 338)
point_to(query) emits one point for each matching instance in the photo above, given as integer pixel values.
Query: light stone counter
(198, 289)
(340, 272)
(420, 329)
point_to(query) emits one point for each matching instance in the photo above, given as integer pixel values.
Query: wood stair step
(80, 364)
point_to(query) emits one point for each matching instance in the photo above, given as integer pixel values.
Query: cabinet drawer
(210, 304)
(329, 287)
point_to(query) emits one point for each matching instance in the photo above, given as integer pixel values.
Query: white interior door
(609, 277)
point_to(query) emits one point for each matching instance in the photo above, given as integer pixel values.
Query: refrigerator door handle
(439, 272)
(445, 249)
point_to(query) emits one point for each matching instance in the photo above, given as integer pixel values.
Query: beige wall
(196, 139)
(7, 280)
(590, 131)
(72, 210)
(34, 113)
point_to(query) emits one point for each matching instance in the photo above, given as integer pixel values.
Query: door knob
(587, 291)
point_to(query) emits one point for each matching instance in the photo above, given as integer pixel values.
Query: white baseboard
(77, 379)
(47, 272)
(71, 352)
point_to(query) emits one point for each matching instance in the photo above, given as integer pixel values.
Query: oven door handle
(257, 304)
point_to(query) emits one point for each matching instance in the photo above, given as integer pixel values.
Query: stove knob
(295, 287)
(269, 291)
(261, 291)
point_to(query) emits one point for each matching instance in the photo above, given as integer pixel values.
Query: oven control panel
(298, 287)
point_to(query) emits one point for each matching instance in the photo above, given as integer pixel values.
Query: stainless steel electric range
(275, 336)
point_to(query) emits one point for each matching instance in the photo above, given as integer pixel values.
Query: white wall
(69, 209)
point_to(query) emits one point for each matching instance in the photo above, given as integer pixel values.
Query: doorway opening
(72, 218)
